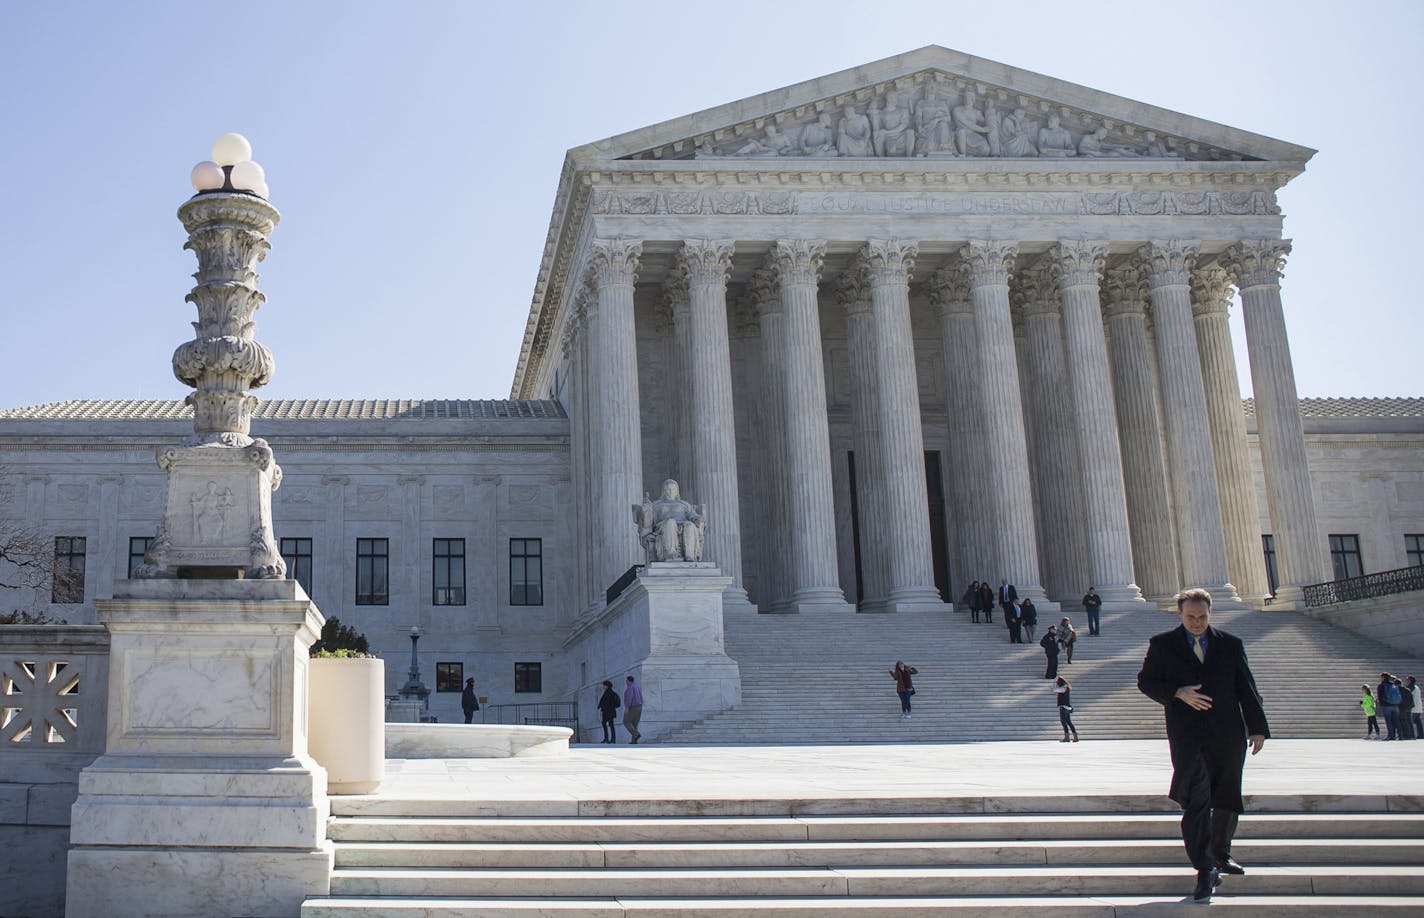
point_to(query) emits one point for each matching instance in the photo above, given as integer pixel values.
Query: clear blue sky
(414, 149)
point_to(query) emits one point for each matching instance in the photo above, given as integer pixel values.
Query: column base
(1039, 597)
(1224, 598)
(1121, 595)
(819, 601)
(1287, 599)
(736, 601)
(917, 599)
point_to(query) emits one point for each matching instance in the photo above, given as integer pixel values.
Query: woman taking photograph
(1062, 692)
(903, 686)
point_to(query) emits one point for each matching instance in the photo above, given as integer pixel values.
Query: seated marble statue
(819, 138)
(1015, 136)
(774, 144)
(933, 131)
(1095, 144)
(853, 133)
(894, 133)
(1054, 139)
(970, 130)
(670, 528)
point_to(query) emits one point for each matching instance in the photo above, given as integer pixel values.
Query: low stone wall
(1397, 621)
(473, 741)
(54, 686)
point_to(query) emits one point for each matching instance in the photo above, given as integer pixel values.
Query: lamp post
(413, 687)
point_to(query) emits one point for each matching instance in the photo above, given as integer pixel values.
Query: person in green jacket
(1368, 703)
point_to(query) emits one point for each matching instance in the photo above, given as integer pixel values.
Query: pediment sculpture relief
(935, 119)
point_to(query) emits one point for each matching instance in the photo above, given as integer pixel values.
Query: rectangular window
(1414, 549)
(68, 569)
(298, 555)
(373, 568)
(528, 677)
(138, 547)
(1268, 545)
(1345, 556)
(526, 572)
(448, 575)
(449, 677)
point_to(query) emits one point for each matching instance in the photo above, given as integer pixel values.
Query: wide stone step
(432, 830)
(873, 881)
(919, 853)
(1133, 906)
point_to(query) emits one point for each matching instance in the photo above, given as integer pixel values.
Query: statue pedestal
(205, 802)
(665, 630)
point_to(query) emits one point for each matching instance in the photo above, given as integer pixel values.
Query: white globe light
(231, 149)
(261, 191)
(207, 176)
(247, 176)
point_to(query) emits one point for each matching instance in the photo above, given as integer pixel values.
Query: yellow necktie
(1197, 649)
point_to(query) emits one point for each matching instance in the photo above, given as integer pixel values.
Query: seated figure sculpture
(670, 528)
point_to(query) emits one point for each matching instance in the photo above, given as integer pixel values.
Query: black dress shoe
(1207, 881)
(1228, 865)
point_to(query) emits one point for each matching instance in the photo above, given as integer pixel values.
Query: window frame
(520, 562)
(135, 559)
(294, 559)
(523, 671)
(445, 668)
(1341, 556)
(1268, 552)
(448, 557)
(68, 578)
(1414, 554)
(372, 558)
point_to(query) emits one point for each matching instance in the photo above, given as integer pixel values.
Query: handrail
(621, 584)
(1381, 583)
(537, 713)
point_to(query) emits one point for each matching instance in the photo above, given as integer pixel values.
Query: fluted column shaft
(714, 435)
(963, 366)
(1300, 559)
(771, 319)
(810, 500)
(906, 509)
(619, 460)
(1139, 422)
(853, 293)
(1211, 296)
(1052, 435)
(1009, 489)
(1189, 453)
(1109, 540)
(679, 390)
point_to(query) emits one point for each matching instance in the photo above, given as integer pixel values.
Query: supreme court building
(929, 320)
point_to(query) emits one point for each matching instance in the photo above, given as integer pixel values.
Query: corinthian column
(679, 376)
(775, 575)
(613, 266)
(705, 264)
(1052, 434)
(963, 366)
(1258, 264)
(853, 293)
(1139, 422)
(1189, 453)
(1080, 265)
(810, 503)
(1009, 490)
(1211, 296)
(902, 445)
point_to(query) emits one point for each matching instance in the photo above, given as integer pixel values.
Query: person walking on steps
(986, 601)
(1213, 711)
(1028, 619)
(1092, 602)
(1049, 643)
(632, 710)
(1067, 637)
(904, 686)
(469, 704)
(971, 599)
(608, 712)
(1367, 701)
(1063, 694)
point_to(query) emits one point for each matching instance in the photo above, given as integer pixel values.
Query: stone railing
(540, 713)
(1383, 583)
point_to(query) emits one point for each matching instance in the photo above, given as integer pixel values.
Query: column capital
(797, 261)
(764, 292)
(706, 262)
(1036, 290)
(1258, 262)
(1211, 290)
(1080, 262)
(1169, 261)
(990, 261)
(853, 288)
(675, 290)
(949, 288)
(1124, 289)
(889, 261)
(614, 261)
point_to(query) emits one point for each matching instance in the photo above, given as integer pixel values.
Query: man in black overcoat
(1200, 676)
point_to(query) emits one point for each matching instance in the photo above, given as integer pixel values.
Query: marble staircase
(1117, 856)
(827, 682)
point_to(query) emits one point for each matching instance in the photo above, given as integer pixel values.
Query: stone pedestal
(206, 802)
(665, 630)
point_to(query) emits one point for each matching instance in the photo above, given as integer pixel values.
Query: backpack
(1391, 694)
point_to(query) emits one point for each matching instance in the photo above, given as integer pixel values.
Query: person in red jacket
(904, 686)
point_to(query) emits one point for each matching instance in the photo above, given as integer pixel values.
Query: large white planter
(346, 718)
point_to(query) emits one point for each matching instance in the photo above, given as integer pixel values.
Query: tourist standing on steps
(632, 709)
(469, 704)
(1367, 701)
(1200, 676)
(608, 712)
(1063, 695)
(1014, 623)
(1092, 602)
(1387, 695)
(1050, 650)
(904, 686)
(1412, 688)
(1406, 710)
(1028, 619)
(1007, 595)
(986, 601)
(971, 599)
(1067, 637)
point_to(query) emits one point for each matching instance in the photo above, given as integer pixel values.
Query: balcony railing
(1383, 583)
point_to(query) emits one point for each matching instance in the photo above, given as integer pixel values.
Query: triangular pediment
(935, 103)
